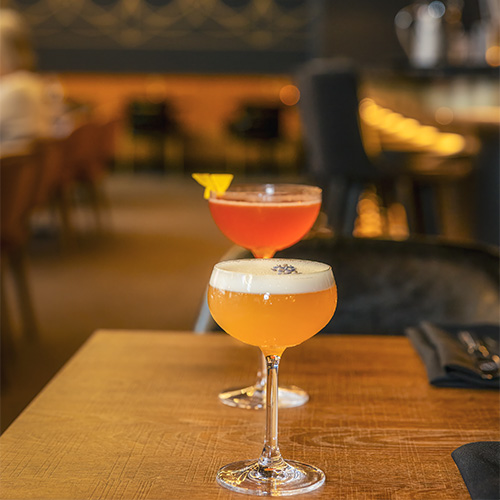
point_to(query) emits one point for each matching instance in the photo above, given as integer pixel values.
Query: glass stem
(260, 385)
(270, 460)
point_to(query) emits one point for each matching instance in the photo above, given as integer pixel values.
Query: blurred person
(26, 111)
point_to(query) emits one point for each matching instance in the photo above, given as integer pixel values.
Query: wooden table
(135, 415)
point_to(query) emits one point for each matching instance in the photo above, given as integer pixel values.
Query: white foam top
(278, 276)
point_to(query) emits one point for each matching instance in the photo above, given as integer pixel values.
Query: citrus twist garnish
(213, 182)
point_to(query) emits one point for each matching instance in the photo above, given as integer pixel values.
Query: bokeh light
(492, 56)
(289, 95)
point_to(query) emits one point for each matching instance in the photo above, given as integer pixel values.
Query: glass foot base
(253, 398)
(250, 478)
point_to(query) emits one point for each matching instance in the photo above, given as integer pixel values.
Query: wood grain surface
(135, 415)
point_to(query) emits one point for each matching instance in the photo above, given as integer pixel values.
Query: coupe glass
(265, 218)
(272, 304)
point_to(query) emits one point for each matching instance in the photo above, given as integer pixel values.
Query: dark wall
(359, 29)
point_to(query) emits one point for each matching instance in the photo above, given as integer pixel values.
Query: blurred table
(135, 415)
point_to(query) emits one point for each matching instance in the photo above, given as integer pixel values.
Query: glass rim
(266, 191)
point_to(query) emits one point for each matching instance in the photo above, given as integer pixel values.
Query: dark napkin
(479, 464)
(446, 360)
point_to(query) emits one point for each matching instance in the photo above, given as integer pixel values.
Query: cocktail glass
(265, 218)
(273, 304)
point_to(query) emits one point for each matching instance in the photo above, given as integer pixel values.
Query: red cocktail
(265, 218)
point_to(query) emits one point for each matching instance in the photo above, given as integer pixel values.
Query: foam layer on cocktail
(274, 276)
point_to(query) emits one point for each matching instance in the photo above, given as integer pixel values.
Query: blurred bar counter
(454, 113)
(451, 99)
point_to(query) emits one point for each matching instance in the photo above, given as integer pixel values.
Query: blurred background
(146, 92)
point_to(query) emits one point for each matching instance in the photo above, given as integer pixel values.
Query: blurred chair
(257, 128)
(86, 165)
(385, 286)
(53, 185)
(257, 122)
(108, 141)
(49, 154)
(70, 170)
(153, 126)
(338, 161)
(18, 177)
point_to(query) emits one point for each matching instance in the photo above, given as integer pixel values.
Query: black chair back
(148, 117)
(385, 286)
(329, 108)
(257, 122)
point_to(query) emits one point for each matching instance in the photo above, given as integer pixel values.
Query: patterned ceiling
(201, 25)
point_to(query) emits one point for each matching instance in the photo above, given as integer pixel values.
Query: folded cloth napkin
(447, 361)
(479, 464)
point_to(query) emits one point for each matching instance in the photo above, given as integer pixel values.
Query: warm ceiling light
(391, 121)
(450, 144)
(407, 128)
(370, 115)
(426, 136)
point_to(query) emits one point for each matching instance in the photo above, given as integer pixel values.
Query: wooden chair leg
(7, 348)
(18, 268)
(94, 195)
(100, 206)
(62, 203)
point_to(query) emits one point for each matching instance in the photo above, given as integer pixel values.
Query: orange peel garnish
(213, 182)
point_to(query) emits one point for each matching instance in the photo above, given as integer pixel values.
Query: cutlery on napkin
(463, 356)
(486, 362)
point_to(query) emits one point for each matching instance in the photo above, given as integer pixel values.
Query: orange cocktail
(274, 304)
(272, 321)
(271, 303)
(265, 218)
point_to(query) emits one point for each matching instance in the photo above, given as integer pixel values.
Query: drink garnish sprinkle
(285, 269)
(219, 183)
